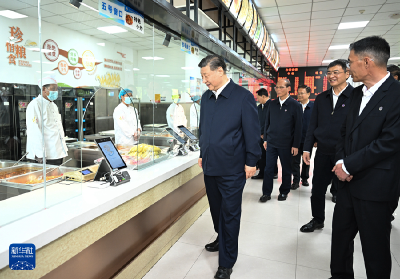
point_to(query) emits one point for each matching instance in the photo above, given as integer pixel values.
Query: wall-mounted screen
(235, 8)
(243, 12)
(253, 28)
(249, 19)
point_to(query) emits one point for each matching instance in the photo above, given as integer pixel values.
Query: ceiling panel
(362, 3)
(292, 24)
(324, 21)
(59, 8)
(329, 5)
(294, 9)
(327, 14)
(14, 5)
(367, 10)
(295, 17)
(57, 20)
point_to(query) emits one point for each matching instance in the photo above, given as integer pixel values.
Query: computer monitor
(178, 137)
(111, 154)
(187, 133)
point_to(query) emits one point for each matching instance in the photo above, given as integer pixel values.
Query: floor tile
(200, 233)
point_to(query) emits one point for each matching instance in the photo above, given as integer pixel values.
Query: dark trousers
(323, 176)
(371, 220)
(272, 155)
(225, 198)
(305, 169)
(262, 161)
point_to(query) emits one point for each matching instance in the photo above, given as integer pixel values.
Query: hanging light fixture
(75, 3)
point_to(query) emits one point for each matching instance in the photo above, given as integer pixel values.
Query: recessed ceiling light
(11, 14)
(44, 62)
(83, 4)
(187, 68)
(339, 47)
(327, 61)
(101, 44)
(162, 75)
(112, 29)
(394, 58)
(349, 25)
(152, 58)
(135, 69)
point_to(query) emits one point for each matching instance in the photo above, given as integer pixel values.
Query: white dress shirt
(367, 95)
(194, 116)
(216, 93)
(305, 105)
(336, 97)
(125, 124)
(281, 102)
(55, 147)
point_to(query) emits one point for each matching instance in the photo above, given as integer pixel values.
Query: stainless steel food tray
(18, 182)
(26, 167)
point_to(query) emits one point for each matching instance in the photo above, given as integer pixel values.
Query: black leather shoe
(311, 226)
(258, 176)
(295, 186)
(223, 273)
(304, 183)
(282, 197)
(275, 176)
(265, 198)
(334, 199)
(213, 246)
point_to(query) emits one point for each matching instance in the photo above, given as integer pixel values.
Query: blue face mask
(53, 95)
(127, 100)
(177, 100)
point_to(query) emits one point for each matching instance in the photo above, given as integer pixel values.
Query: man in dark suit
(368, 163)
(303, 96)
(263, 99)
(229, 133)
(282, 136)
(394, 71)
(329, 112)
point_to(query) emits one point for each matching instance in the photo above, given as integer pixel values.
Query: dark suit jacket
(326, 122)
(306, 119)
(283, 125)
(370, 144)
(229, 131)
(262, 114)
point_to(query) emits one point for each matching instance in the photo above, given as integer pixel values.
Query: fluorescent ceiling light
(11, 14)
(135, 69)
(394, 58)
(36, 49)
(339, 47)
(187, 68)
(152, 58)
(83, 4)
(349, 25)
(44, 62)
(327, 61)
(101, 44)
(112, 29)
(162, 75)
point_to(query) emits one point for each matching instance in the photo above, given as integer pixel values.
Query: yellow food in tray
(38, 181)
(143, 149)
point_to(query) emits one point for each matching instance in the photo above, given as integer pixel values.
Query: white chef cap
(47, 80)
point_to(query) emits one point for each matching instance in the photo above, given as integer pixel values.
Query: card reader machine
(111, 169)
(193, 140)
(182, 151)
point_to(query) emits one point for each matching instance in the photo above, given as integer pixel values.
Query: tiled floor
(270, 244)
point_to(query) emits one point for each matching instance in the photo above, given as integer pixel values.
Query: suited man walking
(229, 133)
(303, 95)
(329, 113)
(282, 136)
(264, 100)
(368, 162)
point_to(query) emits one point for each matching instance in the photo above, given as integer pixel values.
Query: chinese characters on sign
(134, 20)
(88, 60)
(112, 9)
(22, 256)
(16, 51)
(63, 67)
(77, 73)
(51, 50)
(185, 44)
(73, 56)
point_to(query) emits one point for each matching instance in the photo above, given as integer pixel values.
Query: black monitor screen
(172, 132)
(187, 132)
(111, 153)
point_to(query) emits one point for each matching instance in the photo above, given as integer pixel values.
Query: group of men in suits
(356, 132)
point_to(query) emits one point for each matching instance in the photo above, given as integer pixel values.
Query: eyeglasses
(302, 93)
(335, 73)
(349, 62)
(280, 87)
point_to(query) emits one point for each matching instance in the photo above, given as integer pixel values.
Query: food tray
(18, 170)
(20, 181)
(107, 133)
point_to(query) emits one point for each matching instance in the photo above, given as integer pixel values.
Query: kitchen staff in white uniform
(127, 129)
(176, 114)
(195, 113)
(55, 147)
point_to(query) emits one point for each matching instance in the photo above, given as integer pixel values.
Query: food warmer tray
(20, 181)
(108, 133)
(19, 170)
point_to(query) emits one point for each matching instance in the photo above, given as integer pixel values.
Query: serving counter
(114, 232)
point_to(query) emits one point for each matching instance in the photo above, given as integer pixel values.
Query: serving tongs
(41, 177)
(20, 159)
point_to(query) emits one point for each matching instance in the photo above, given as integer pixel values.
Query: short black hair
(308, 89)
(394, 70)
(262, 92)
(375, 47)
(215, 61)
(339, 62)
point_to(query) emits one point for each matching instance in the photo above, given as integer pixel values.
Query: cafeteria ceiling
(304, 29)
